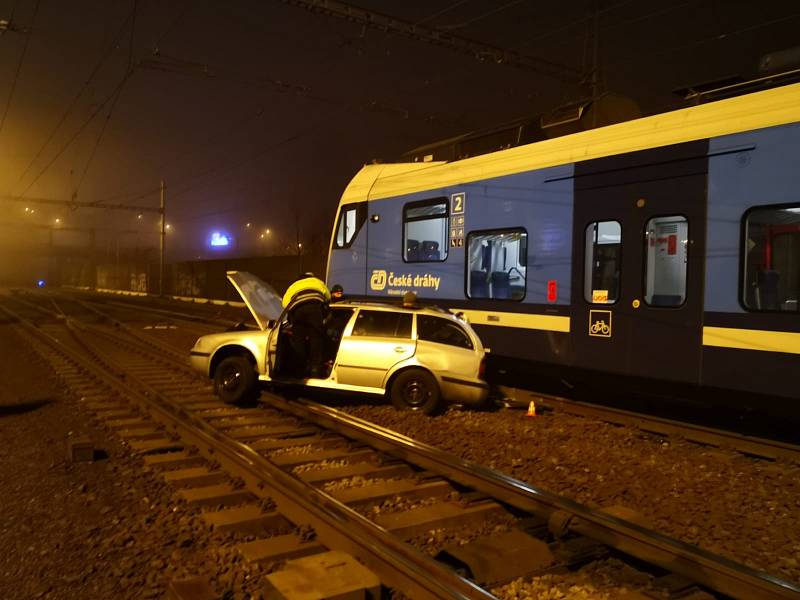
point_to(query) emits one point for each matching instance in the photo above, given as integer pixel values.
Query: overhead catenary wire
(478, 50)
(714, 38)
(484, 15)
(11, 16)
(104, 56)
(133, 33)
(19, 65)
(550, 33)
(182, 188)
(171, 27)
(129, 72)
(102, 132)
(441, 12)
(75, 135)
(189, 68)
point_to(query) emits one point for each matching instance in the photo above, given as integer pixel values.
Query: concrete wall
(206, 279)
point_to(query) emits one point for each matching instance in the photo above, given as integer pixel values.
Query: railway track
(707, 436)
(362, 489)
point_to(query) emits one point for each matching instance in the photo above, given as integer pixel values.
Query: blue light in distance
(219, 240)
(40, 283)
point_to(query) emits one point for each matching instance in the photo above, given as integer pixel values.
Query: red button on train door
(552, 290)
(672, 244)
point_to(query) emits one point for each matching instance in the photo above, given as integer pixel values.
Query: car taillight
(482, 369)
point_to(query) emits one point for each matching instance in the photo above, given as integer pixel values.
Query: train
(652, 262)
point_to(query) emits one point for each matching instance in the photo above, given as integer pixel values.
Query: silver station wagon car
(419, 357)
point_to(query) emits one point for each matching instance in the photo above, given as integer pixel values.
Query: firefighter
(307, 319)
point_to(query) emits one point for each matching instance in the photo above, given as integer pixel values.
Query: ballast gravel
(743, 508)
(600, 580)
(102, 529)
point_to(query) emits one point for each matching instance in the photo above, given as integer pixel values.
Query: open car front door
(282, 359)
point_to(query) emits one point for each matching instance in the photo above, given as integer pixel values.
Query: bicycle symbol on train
(600, 323)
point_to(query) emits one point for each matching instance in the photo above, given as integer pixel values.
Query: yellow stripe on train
(752, 339)
(519, 320)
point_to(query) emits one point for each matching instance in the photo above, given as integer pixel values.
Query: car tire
(416, 390)
(235, 380)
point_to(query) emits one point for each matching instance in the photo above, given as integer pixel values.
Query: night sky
(260, 112)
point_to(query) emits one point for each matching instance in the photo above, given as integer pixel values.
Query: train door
(639, 242)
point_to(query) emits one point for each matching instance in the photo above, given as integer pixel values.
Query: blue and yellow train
(655, 258)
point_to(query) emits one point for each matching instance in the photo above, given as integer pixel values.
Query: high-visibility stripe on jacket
(307, 284)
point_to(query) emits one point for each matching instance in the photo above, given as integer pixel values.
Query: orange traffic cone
(531, 409)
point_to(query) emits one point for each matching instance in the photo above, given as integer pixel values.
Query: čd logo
(378, 280)
(600, 323)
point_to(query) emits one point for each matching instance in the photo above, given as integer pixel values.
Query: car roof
(425, 309)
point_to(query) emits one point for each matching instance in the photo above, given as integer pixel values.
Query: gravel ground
(603, 580)
(742, 508)
(105, 529)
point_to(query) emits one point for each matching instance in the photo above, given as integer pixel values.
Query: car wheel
(235, 380)
(415, 390)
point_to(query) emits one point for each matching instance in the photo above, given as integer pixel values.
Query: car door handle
(400, 349)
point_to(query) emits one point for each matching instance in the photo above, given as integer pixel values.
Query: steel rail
(207, 320)
(746, 444)
(702, 567)
(166, 352)
(337, 526)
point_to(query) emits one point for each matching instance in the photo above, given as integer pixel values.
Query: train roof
(768, 108)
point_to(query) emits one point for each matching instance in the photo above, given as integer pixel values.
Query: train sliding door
(638, 248)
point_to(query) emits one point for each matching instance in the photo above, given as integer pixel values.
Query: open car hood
(261, 298)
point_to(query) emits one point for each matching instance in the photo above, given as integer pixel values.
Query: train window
(425, 231)
(380, 323)
(667, 254)
(351, 218)
(497, 264)
(603, 257)
(442, 331)
(771, 278)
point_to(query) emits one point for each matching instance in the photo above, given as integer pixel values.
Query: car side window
(442, 331)
(337, 320)
(381, 323)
